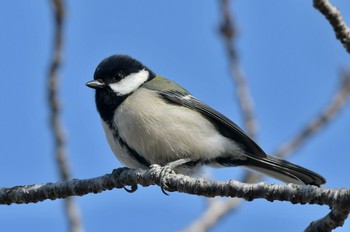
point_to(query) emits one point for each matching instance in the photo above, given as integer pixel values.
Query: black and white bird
(151, 120)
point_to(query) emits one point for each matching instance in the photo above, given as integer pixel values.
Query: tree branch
(54, 102)
(228, 32)
(122, 177)
(338, 199)
(319, 122)
(334, 219)
(58, 135)
(217, 209)
(342, 31)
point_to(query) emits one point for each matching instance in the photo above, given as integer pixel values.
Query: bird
(148, 119)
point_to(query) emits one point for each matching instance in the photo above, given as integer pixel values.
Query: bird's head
(115, 78)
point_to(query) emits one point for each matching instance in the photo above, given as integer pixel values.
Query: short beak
(95, 84)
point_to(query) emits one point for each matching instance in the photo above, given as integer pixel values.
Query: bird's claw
(132, 189)
(169, 168)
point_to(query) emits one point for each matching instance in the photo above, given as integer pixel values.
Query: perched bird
(151, 120)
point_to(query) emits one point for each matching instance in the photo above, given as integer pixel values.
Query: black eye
(120, 75)
(117, 77)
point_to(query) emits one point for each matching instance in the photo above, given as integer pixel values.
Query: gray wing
(226, 127)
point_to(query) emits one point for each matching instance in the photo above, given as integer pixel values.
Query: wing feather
(226, 127)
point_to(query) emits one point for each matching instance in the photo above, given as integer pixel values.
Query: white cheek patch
(130, 83)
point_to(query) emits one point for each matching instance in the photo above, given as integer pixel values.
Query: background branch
(342, 31)
(72, 210)
(319, 122)
(334, 219)
(228, 32)
(218, 209)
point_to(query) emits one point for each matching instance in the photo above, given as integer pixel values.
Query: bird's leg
(167, 169)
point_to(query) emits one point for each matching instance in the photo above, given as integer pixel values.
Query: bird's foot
(169, 168)
(117, 172)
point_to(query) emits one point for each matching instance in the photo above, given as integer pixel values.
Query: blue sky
(288, 53)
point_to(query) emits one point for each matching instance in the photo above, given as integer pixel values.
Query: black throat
(107, 102)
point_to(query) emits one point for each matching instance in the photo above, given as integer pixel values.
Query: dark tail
(277, 168)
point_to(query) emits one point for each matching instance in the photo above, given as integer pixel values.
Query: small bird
(149, 120)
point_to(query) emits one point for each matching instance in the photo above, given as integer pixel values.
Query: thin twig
(72, 210)
(216, 210)
(342, 31)
(332, 220)
(320, 121)
(213, 214)
(228, 32)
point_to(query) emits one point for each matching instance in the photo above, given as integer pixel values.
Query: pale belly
(162, 132)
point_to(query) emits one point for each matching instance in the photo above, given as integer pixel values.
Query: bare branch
(334, 219)
(320, 121)
(122, 177)
(339, 199)
(228, 33)
(56, 61)
(176, 182)
(342, 31)
(59, 138)
(217, 209)
(214, 213)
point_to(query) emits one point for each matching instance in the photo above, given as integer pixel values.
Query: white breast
(162, 132)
